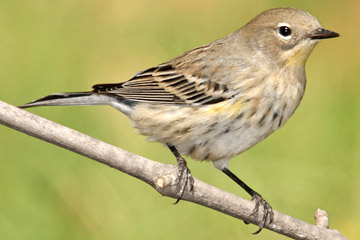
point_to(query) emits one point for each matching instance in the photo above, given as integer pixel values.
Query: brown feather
(164, 84)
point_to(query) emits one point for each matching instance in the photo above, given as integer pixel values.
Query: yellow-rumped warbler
(218, 100)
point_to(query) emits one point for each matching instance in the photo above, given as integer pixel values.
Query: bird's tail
(69, 99)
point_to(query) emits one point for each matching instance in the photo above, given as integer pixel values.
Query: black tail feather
(54, 97)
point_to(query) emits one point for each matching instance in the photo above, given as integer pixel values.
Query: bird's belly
(204, 134)
(223, 143)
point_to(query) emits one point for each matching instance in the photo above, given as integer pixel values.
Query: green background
(56, 46)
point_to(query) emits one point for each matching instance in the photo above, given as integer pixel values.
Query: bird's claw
(185, 172)
(268, 212)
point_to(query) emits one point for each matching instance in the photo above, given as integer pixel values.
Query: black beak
(321, 33)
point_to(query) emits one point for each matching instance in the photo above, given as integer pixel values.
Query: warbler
(220, 99)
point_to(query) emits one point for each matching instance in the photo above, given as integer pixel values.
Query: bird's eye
(285, 32)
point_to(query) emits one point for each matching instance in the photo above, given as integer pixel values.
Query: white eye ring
(284, 31)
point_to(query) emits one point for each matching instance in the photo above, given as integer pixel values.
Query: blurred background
(47, 192)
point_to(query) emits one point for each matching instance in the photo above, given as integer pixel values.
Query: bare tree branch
(160, 176)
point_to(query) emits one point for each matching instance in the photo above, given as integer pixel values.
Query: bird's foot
(185, 172)
(268, 212)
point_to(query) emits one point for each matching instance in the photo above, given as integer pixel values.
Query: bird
(218, 100)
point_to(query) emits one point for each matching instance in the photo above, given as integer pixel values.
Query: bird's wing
(166, 84)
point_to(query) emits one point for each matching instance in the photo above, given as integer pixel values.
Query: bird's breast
(222, 130)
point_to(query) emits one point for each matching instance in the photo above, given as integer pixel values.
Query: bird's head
(284, 35)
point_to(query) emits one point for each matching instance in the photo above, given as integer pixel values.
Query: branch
(160, 176)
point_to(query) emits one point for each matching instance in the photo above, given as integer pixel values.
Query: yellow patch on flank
(226, 108)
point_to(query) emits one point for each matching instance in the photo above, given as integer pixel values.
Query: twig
(160, 176)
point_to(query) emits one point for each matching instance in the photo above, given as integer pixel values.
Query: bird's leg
(183, 171)
(268, 212)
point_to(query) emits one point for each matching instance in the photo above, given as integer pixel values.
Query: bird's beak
(321, 33)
